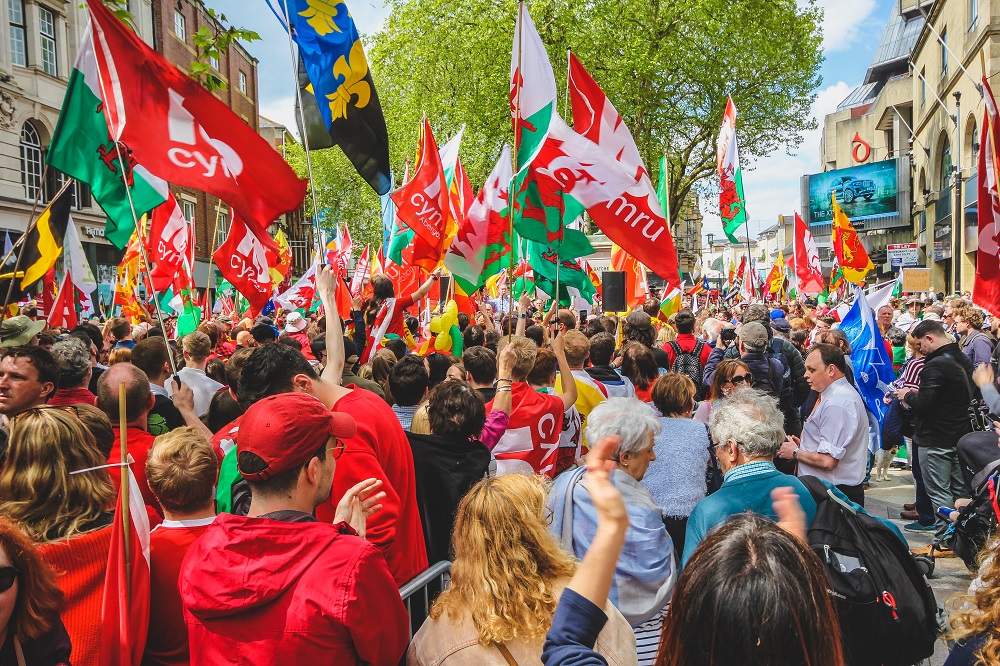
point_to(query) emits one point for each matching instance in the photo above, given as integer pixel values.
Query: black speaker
(444, 284)
(613, 291)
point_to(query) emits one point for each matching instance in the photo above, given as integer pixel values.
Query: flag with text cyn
(243, 260)
(423, 203)
(167, 243)
(183, 133)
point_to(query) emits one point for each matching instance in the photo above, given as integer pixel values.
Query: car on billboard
(849, 188)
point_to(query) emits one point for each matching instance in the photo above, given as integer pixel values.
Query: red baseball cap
(286, 430)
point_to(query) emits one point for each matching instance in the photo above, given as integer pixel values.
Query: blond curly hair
(507, 567)
(978, 613)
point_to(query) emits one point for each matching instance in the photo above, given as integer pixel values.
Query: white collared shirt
(838, 426)
(203, 386)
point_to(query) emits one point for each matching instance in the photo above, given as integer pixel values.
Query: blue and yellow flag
(337, 85)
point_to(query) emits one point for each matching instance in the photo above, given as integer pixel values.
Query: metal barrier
(419, 593)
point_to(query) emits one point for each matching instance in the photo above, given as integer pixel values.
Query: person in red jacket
(684, 323)
(279, 586)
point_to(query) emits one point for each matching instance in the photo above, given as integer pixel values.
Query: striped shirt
(749, 469)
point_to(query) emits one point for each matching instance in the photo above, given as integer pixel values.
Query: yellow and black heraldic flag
(40, 249)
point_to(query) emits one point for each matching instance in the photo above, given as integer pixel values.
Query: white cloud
(369, 15)
(845, 22)
(771, 184)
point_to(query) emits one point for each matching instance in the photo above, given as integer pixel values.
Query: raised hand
(359, 504)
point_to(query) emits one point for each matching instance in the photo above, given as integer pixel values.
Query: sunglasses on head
(7, 577)
(740, 379)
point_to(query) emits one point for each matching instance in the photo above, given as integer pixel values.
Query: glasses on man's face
(337, 449)
(739, 379)
(7, 577)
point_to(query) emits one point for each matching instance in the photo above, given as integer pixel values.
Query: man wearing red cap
(278, 586)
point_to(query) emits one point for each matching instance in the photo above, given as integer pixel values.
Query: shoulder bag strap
(18, 651)
(508, 657)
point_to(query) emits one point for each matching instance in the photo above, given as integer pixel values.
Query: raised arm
(327, 285)
(522, 309)
(426, 286)
(568, 382)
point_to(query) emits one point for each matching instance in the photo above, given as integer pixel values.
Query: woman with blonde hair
(976, 615)
(68, 514)
(506, 580)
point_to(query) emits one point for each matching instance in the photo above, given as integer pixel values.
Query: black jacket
(446, 469)
(941, 404)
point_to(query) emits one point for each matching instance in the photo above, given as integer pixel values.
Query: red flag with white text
(986, 291)
(362, 270)
(182, 133)
(243, 260)
(423, 203)
(167, 243)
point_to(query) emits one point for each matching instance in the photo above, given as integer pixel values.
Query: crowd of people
(612, 489)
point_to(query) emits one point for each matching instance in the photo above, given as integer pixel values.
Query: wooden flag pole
(125, 483)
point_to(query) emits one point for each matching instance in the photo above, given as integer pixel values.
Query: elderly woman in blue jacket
(646, 571)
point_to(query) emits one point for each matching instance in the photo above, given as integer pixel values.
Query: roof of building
(267, 122)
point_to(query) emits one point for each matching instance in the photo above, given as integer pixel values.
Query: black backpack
(689, 363)
(888, 614)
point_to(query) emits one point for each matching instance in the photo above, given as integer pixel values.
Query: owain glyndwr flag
(184, 134)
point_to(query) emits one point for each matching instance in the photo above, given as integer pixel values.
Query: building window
(179, 27)
(31, 161)
(18, 50)
(923, 88)
(944, 54)
(214, 62)
(187, 209)
(47, 32)
(243, 83)
(222, 230)
(973, 13)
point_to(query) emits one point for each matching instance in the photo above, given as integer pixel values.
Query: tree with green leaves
(667, 65)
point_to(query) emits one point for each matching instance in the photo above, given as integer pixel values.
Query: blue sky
(852, 29)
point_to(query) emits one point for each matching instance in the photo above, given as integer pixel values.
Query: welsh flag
(533, 89)
(573, 279)
(483, 243)
(732, 202)
(125, 608)
(82, 147)
(635, 220)
(300, 295)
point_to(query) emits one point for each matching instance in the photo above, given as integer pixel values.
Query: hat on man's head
(286, 430)
(777, 314)
(914, 300)
(262, 332)
(17, 331)
(756, 312)
(223, 319)
(781, 325)
(639, 319)
(295, 323)
(753, 335)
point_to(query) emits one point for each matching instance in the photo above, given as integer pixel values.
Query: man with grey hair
(748, 429)
(73, 359)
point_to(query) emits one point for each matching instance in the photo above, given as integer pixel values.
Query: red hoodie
(263, 591)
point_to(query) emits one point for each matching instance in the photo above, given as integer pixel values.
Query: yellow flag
(851, 255)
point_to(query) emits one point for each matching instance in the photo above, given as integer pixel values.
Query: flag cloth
(362, 270)
(284, 256)
(243, 260)
(183, 133)
(300, 295)
(573, 280)
(167, 243)
(340, 248)
(986, 290)
(63, 312)
(636, 287)
(44, 243)
(459, 189)
(808, 267)
(732, 202)
(851, 255)
(339, 85)
(482, 246)
(671, 303)
(76, 263)
(125, 609)
(423, 203)
(82, 147)
(776, 278)
(872, 363)
(595, 117)
(530, 444)
(533, 89)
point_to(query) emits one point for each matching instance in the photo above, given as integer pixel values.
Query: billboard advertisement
(864, 192)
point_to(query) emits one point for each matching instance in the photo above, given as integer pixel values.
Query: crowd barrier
(419, 593)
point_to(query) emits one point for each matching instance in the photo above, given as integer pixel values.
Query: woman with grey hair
(646, 571)
(73, 359)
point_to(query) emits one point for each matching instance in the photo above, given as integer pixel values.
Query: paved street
(886, 499)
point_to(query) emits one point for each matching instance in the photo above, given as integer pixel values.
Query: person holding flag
(384, 314)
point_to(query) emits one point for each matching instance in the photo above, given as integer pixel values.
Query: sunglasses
(739, 379)
(337, 449)
(7, 577)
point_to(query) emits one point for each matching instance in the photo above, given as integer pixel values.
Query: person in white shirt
(197, 346)
(834, 442)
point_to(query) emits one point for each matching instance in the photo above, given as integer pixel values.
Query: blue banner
(871, 360)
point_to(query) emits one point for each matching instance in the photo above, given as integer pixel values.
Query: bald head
(138, 399)
(245, 339)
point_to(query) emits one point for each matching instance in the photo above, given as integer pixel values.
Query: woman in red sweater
(66, 513)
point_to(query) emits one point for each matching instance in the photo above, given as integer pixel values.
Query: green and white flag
(532, 88)
(82, 148)
(732, 202)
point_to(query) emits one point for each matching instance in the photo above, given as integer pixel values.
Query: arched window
(945, 166)
(31, 161)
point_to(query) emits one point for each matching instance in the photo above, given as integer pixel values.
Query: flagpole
(34, 222)
(511, 192)
(126, 484)
(566, 108)
(211, 255)
(305, 134)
